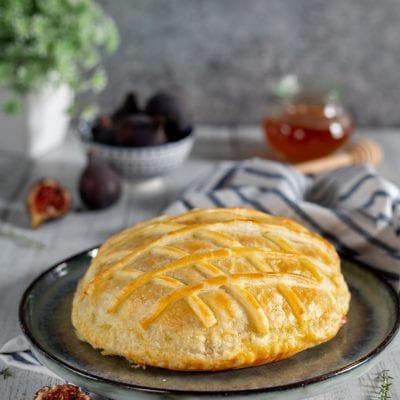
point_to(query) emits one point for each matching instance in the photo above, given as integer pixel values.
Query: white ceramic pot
(40, 126)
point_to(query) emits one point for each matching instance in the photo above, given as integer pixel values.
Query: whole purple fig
(139, 130)
(128, 107)
(168, 109)
(103, 131)
(99, 184)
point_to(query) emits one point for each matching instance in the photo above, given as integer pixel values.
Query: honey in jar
(307, 127)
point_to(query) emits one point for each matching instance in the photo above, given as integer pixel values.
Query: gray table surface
(21, 262)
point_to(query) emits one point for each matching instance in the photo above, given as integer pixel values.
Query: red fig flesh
(47, 199)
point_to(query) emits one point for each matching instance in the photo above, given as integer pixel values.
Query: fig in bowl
(139, 130)
(141, 143)
(169, 110)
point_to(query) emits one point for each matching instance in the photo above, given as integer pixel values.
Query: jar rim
(291, 89)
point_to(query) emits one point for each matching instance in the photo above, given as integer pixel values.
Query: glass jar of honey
(309, 124)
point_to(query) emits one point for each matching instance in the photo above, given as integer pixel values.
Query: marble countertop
(21, 263)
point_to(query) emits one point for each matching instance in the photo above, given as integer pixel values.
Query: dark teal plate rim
(275, 389)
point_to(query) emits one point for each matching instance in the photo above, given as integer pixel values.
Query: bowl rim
(83, 128)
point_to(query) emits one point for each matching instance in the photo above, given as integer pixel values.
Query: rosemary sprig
(5, 373)
(385, 384)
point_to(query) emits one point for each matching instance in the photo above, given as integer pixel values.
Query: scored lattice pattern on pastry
(229, 250)
(211, 289)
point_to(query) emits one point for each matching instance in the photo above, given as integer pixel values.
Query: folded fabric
(356, 209)
(16, 353)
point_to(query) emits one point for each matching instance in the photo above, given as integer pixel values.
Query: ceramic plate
(45, 320)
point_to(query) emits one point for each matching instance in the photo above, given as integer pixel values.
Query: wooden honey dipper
(363, 151)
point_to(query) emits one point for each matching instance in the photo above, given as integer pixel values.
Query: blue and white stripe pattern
(357, 210)
(16, 353)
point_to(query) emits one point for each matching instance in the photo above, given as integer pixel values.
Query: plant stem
(386, 382)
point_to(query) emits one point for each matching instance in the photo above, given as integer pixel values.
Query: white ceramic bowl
(140, 163)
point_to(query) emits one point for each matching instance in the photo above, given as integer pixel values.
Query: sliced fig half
(47, 199)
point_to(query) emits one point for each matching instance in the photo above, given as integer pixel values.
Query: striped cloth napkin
(355, 208)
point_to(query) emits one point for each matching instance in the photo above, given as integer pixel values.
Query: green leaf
(89, 112)
(67, 38)
(99, 80)
(11, 106)
(385, 384)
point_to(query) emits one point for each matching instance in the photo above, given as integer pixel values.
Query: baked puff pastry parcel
(211, 289)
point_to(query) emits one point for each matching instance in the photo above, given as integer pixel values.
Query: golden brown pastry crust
(211, 289)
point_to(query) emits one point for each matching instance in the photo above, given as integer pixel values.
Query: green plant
(385, 384)
(53, 41)
(5, 373)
